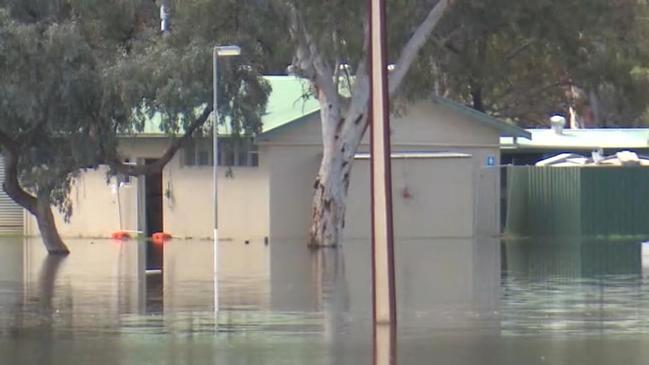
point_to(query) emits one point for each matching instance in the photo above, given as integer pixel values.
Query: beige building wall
(188, 206)
(275, 198)
(98, 205)
(292, 171)
(431, 197)
(294, 154)
(95, 206)
(425, 124)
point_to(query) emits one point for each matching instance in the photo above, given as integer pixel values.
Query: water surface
(553, 302)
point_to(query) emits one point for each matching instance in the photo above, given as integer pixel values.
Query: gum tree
(526, 59)
(79, 74)
(330, 41)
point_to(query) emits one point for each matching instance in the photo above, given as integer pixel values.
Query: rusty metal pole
(383, 281)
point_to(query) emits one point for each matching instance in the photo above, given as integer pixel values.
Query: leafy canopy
(79, 74)
(527, 59)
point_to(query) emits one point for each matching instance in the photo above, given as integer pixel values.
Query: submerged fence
(588, 201)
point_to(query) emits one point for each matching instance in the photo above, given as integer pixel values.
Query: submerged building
(445, 178)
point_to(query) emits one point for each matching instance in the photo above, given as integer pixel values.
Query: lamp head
(227, 51)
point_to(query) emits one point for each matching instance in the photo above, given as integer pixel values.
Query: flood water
(464, 302)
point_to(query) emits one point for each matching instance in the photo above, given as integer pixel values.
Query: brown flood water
(559, 302)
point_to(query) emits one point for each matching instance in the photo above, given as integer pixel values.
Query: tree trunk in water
(47, 226)
(341, 137)
(342, 133)
(38, 206)
(328, 208)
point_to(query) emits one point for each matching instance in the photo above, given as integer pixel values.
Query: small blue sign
(491, 161)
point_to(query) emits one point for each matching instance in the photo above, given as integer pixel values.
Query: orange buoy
(160, 237)
(121, 235)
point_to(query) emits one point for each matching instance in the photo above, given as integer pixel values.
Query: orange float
(160, 237)
(121, 235)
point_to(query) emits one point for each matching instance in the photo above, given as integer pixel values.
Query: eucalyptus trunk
(47, 226)
(38, 206)
(344, 118)
(328, 208)
(341, 136)
(330, 193)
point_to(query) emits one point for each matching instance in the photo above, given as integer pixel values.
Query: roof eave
(290, 124)
(506, 129)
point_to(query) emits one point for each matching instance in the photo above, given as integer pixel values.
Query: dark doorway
(154, 218)
(153, 192)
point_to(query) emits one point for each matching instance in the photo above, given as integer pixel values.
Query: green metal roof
(506, 129)
(586, 139)
(290, 101)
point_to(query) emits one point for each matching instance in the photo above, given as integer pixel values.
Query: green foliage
(338, 27)
(78, 74)
(518, 60)
(48, 94)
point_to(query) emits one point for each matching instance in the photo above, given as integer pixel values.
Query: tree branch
(418, 39)
(11, 185)
(518, 50)
(361, 85)
(136, 170)
(525, 91)
(308, 62)
(447, 44)
(8, 143)
(27, 136)
(356, 116)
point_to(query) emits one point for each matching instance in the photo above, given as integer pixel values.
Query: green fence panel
(615, 201)
(588, 201)
(543, 201)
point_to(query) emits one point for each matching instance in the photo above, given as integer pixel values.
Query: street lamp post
(219, 51)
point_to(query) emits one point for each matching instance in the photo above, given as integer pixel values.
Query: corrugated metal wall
(11, 214)
(579, 201)
(543, 201)
(615, 201)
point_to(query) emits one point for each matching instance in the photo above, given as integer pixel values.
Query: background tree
(525, 60)
(79, 74)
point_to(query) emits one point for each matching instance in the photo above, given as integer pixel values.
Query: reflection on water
(572, 286)
(555, 302)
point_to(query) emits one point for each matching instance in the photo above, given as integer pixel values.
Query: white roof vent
(557, 122)
(628, 158)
